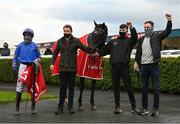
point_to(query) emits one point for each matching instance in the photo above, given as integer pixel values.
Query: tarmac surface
(104, 100)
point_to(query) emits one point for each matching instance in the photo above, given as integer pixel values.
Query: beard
(67, 35)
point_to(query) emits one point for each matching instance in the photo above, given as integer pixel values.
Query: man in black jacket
(147, 59)
(67, 46)
(120, 50)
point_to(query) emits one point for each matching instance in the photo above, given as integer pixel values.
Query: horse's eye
(96, 32)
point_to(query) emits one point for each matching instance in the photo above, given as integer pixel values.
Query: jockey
(26, 53)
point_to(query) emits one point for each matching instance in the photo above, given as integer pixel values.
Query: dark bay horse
(95, 39)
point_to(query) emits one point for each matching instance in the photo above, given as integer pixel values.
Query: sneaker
(58, 111)
(117, 110)
(33, 111)
(80, 108)
(71, 110)
(155, 113)
(135, 110)
(143, 112)
(16, 113)
(94, 108)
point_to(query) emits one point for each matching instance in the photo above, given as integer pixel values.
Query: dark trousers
(150, 71)
(122, 71)
(66, 79)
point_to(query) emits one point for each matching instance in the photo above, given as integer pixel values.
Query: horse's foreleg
(82, 80)
(93, 86)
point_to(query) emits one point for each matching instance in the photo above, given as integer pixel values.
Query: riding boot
(18, 100)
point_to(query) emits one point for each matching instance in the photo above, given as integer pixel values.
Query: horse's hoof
(94, 108)
(80, 108)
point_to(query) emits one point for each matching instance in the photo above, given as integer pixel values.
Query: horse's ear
(95, 23)
(103, 24)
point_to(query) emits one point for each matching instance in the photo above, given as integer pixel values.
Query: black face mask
(5, 46)
(67, 35)
(122, 34)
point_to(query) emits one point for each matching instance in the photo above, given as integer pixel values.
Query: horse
(95, 39)
(93, 70)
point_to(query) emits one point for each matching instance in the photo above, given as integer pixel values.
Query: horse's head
(98, 37)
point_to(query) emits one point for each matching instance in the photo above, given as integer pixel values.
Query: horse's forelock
(99, 41)
(102, 26)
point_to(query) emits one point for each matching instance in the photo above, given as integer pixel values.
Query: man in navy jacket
(147, 62)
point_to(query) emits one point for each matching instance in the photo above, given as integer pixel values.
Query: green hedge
(170, 75)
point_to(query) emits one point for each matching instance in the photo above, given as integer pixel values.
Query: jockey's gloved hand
(14, 66)
(37, 65)
(15, 71)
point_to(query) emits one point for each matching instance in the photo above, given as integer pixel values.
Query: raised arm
(134, 36)
(168, 29)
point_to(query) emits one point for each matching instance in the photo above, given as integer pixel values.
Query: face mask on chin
(122, 34)
(67, 35)
(148, 32)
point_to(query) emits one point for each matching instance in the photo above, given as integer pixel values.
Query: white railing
(107, 56)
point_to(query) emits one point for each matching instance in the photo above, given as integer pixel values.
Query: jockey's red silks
(87, 66)
(27, 77)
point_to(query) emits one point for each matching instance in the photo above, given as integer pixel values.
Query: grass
(10, 96)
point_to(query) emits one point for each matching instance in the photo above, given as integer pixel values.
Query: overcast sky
(47, 17)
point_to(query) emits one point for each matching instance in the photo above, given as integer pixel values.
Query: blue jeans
(150, 71)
